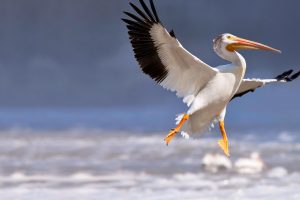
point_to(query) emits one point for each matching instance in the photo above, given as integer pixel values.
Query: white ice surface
(93, 164)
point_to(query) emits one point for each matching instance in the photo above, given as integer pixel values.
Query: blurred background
(66, 63)
(77, 112)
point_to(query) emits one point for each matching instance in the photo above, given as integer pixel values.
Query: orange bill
(240, 43)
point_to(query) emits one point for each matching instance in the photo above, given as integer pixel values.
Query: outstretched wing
(162, 57)
(249, 85)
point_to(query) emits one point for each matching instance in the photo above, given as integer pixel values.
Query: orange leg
(176, 130)
(223, 143)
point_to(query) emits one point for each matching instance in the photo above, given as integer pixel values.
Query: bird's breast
(218, 91)
(231, 76)
(224, 85)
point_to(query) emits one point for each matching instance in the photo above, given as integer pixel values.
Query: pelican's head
(226, 44)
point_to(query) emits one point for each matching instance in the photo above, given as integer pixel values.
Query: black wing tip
(126, 13)
(154, 11)
(288, 76)
(172, 33)
(284, 74)
(148, 15)
(296, 75)
(139, 25)
(131, 4)
(289, 71)
(124, 20)
(148, 12)
(127, 21)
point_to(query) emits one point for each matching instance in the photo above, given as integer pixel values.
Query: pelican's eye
(229, 37)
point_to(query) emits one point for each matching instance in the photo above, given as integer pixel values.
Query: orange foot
(224, 142)
(176, 130)
(171, 135)
(224, 146)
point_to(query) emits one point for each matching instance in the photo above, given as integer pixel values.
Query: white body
(205, 90)
(210, 103)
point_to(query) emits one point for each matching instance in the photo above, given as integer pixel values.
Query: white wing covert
(162, 57)
(250, 85)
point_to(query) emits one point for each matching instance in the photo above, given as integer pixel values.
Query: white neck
(234, 57)
(237, 59)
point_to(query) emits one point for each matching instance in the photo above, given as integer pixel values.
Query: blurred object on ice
(215, 162)
(252, 165)
(286, 137)
(277, 172)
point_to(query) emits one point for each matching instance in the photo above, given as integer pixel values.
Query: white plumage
(186, 73)
(205, 90)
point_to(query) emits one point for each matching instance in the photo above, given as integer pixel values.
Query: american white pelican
(252, 165)
(214, 162)
(204, 89)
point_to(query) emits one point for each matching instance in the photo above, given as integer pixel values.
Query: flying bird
(206, 90)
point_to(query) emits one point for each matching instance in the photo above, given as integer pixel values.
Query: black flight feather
(140, 12)
(146, 9)
(285, 76)
(145, 50)
(154, 11)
